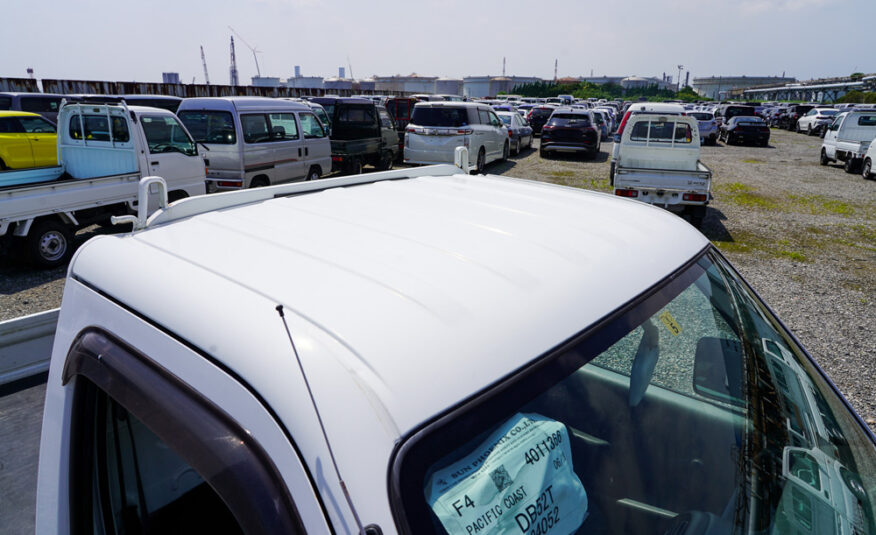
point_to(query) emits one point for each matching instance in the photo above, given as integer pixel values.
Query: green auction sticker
(518, 480)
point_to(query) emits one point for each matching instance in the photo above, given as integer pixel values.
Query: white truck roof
(425, 290)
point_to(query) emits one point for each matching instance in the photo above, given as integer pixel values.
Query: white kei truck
(658, 162)
(848, 138)
(103, 152)
(437, 353)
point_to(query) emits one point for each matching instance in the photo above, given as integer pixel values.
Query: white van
(437, 128)
(255, 141)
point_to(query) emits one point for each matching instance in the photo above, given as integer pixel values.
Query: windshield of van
(569, 119)
(165, 134)
(40, 104)
(5, 103)
(215, 127)
(439, 116)
(691, 407)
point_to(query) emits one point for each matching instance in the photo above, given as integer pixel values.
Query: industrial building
(266, 81)
(413, 83)
(719, 87)
(489, 86)
(448, 86)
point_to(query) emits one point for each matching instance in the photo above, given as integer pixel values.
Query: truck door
(830, 137)
(172, 154)
(15, 151)
(388, 131)
(157, 445)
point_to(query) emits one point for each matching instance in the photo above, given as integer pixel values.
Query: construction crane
(350, 65)
(204, 63)
(254, 51)
(234, 80)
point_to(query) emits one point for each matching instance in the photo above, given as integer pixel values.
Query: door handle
(306, 151)
(299, 152)
(154, 163)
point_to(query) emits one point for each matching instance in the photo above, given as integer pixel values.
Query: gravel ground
(803, 235)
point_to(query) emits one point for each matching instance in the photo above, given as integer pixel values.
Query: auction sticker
(518, 480)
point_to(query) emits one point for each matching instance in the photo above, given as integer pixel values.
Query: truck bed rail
(26, 345)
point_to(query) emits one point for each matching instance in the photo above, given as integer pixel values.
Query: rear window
(702, 116)
(443, 116)
(358, 115)
(867, 120)
(569, 119)
(734, 111)
(98, 128)
(216, 127)
(661, 132)
(506, 119)
(40, 104)
(828, 112)
(542, 113)
(5, 103)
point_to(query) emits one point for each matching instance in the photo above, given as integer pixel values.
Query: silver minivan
(437, 128)
(254, 141)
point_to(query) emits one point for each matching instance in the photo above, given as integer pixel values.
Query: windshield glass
(215, 127)
(828, 112)
(702, 116)
(40, 104)
(691, 408)
(505, 119)
(439, 116)
(165, 134)
(568, 119)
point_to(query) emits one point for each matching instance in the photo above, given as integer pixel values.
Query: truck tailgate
(664, 179)
(356, 146)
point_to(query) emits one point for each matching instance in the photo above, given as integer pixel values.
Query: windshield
(439, 116)
(216, 127)
(828, 112)
(691, 408)
(165, 134)
(702, 116)
(505, 119)
(569, 119)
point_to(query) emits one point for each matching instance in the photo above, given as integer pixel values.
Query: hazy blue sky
(124, 40)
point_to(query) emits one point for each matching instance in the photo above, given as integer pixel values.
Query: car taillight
(235, 184)
(466, 131)
(620, 130)
(626, 193)
(695, 197)
(337, 159)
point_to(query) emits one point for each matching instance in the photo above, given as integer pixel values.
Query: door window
(255, 128)
(210, 126)
(385, 120)
(165, 134)
(311, 126)
(283, 127)
(494, 120)
(36, 125)
(9, 125)
(484, 116)
(154, 456)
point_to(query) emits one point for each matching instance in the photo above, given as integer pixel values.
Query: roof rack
(217, 201)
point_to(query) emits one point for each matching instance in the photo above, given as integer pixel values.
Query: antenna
(204, 63)
(254, 51)
(233, 69)
(279, 310)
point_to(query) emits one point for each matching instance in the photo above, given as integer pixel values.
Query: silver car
(708, 127)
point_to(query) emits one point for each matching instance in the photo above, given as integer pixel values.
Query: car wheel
(353, 167)
(611, 173)
(516, 150)
(385, 163)
(810, 131)
(481, 162)
(866, 170)
(313, 174)
(824, 160)
(529, 145)
(797, 127)
(49, 244)
(259, 182)
(506, 150)
(851, 165)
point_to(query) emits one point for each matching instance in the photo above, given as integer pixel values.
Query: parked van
(255, 141)
(46, 104)
(848, 138)
(437, 128)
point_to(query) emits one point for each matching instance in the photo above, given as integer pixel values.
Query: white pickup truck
(437, 353)
(658, 162)
(848, 138)
(103, 152)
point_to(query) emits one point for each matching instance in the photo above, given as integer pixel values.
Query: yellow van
(26, 140)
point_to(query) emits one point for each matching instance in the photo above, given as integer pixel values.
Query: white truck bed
(669, 180)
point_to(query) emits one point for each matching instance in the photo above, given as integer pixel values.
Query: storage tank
(338, 84)
(448, 86)
(476, 86)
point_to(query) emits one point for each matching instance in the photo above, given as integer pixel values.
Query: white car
(869, 158)
(816, 120)
(437, 128)
(708, 127)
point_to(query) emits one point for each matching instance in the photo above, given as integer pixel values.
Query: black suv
(570, 130)
(538, 116)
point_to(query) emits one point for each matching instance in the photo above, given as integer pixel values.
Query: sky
(124, 40)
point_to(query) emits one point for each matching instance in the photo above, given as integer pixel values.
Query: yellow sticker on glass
(670, 323)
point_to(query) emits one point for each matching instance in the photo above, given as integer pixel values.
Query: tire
(824, 159)
(866, 170)
(353, 167)
(851, 165)
(176, 195)
(506, 150)
(542, 153)
(797, 127)
(259, 182)
(49, 244)
(611, 173)
(810, 131)
(516, 150)
(312, 174)
(481, 163)
(529, 144)
(3, 165)
(385, 163)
